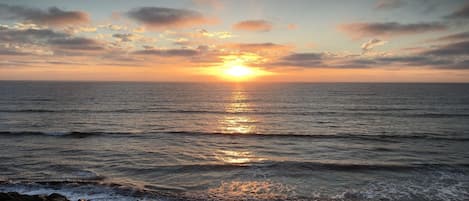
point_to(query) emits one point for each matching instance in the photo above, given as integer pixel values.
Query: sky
(216, 40)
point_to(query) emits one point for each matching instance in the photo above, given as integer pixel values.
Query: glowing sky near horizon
(213, 40)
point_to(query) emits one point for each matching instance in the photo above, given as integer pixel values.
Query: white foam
(88, 192)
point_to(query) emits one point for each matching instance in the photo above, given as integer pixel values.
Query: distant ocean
(245, 141)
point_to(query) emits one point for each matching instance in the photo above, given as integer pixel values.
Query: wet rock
(14, 196)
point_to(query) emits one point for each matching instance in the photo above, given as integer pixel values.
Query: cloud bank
(53, 16)
(159, 17)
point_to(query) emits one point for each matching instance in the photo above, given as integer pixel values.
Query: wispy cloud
(462, 13)
(369, 45)
(168, 52)
(253, 25)
(388, 29)
(453, 37)
(388, 4)
(452, 49)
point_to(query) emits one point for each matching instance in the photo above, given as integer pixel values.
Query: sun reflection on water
(237, 125)
(236, 120)
(234, 157)
(251, 190)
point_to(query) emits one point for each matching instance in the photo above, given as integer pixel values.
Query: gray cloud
(453, 37)
(158, 17)
(77, 43)
(168, 52)
(124, 37)
(452, 49)
(258, 45)
(388, 29)
(8, 52)
(301, 60)
(60, 43)
(388, 4)
(460, 13)
(53, 16)
(462, 65)
(321, 60)
(29, 35)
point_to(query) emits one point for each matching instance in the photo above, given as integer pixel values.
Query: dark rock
(14, 196)
(56, 197)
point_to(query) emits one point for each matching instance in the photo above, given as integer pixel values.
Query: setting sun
(239, 71)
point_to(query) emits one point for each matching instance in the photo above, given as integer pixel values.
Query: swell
(383, 137)
(336, 136)
(395, 112)
(298, 167)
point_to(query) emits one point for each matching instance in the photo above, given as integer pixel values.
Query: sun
(239, 71)
(237, 68)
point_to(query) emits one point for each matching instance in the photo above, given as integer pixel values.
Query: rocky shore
(14, 196)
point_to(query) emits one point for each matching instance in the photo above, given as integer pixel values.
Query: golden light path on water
(236, 122)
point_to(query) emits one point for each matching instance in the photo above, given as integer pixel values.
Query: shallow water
(159, 141)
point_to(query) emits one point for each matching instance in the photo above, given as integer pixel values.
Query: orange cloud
(292, 26)
(261, 48)
(253, 25)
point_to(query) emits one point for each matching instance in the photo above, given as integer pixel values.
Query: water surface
(158, 141)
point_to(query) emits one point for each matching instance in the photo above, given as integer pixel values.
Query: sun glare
(237, 68)
(239, 71)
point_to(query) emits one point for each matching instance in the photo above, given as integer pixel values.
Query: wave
(298, 167)
(62, 133)
(292, 165)
(382, 137)
(100, 190)
(395, 112)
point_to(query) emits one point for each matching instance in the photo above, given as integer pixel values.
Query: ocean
(235, 141)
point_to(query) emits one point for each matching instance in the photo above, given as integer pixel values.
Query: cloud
(113, 27)
(301, 60)
(53, 16)
(168, 52)
(461, 65)
(292, 26)
(258, 46)
(453, 59)
(77, 43)
(47, 41)
(216, 4)
(460, 13)
(452, 49)
(453, 37)
(125, 37)
(158, 17)
(388, 29)
(253, 25)
(9, 52)
(219, 34)
(388, 4)
(369, 45)
(29, 35)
